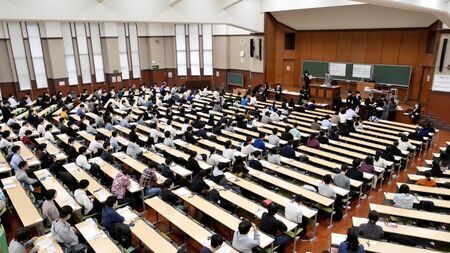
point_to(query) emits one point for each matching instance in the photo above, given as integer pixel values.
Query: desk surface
(96, 237)
(52, 149)
(180, 170)
(183, 155)
(187, 225)
(27, 212)
(222, 216)
(27, 155)
(395, 228)
(47, 244)
(62, 197)
(426, 189)
(411, 213)
(136, 165)
(437, 202)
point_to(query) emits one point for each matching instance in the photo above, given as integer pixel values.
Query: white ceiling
(362, 16)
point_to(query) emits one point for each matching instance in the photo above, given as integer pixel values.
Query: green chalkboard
(382, 74)
(235, 79)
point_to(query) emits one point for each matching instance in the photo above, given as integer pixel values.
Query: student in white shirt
(228, 152)
(342, 116)
(404, 144)
(154, 133)
(82, 160)
(247, 146)
(41, 127)
(293, 212)
(133, 150)
(5, 144)
(273, 138)
(48, 134)
(379, 161)
(403, 198)
(90, 127)
(253, 101)
(170, 129)
(85, 201)
(12, 121)
(167, 140)
(113, 141)
(213, 158)
(25, 126)
(96, 146)
(274, 117)
(12, 102)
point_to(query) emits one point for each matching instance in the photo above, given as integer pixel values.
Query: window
(37, 57)
(69, 54)
(83, 53)
(123, 57)
(97, 52)
(180, 41)
(134, 48)
(20, 60)
(207, 50)
(289, 41)
(194, 50)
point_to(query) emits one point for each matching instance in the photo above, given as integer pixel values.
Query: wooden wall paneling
(330, 46)
(147, 77)
(417, 91)
(391, 47)
(305, 44)
(438, 107)
(317, 44)
(374, 47)
(9, 88)
(288, 72)
(359, 42)
(344, 46)
(409, 47)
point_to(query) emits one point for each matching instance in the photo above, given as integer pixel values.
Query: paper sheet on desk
(183, 192)
(102, 195)
(127, 213)
(43, 244)
(89, 232)
(9, 186)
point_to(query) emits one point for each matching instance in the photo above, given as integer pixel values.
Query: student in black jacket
(192, 164)
(188, 136)
(168, 196)
(198, 184)
(354, 173)
(254, 162)
(272, 226)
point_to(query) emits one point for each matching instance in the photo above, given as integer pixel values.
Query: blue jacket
(110, 217)
(258, 143)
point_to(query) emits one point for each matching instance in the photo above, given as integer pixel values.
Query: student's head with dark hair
(373, 216)
(244, 227)
(98, 137)
(82, 150)
(202, 174)
(275, 131)
(272, 209)
(352, 239)
(167, 134)
(344, 168)
(168, 160)
(193, 154)
(403, 138)
(404, 188)
(216, 241)
(298, 198)
(262, 135)
(22, 165)
(369, 160)
(22, 235)
(48, 127)
(248, 139)
(356, 162)
(70, 140)
(327, 179)
(227, 144)
(5, 134)
(65, 212)
(168, 183)
(28, 132)
(111, 201)
(105, 145)
(428, 175)
(83, 184)
(50, 194)
(15, 149)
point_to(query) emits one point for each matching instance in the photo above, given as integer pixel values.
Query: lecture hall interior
(205, 126)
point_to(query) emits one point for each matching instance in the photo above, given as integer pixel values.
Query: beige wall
(110, 47)
(144, 53)
(6, 74)
(157, 52)
(169, 50)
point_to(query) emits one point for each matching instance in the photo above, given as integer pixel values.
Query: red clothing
(313, 143)
(28, 141)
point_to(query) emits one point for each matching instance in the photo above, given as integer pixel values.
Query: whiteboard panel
(362, 71)
(441, 83)
(337, 69)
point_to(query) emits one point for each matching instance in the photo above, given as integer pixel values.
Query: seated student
(148, 180)
(286, 135)
(168, 140)
(274, 227)
(273, 138)
(287, 150)
(22, 176)
(198, 184)
(70, 149)
(325, 189)
(371, 230)
(192, 163)
(427, 181)
(28, 140)
(239, 167)
(436, 170)
(367, 165)
(326, 122)
(273, 156)
(218, 174)
(168, 173)
(313, 142)
(61, 229)
(133, 149)
(110, 217)
(266, 118)
(96, 146)
(315, 124)
(228, 152)
(85, 201)
(90, 127)
(403, 198)
(341, 179)
(247, 147)
(323, 138)
(216, 243)
(189, 136)
(213, 158)
(379, 161)
(296, 134)
(351, 243)
(241, 241)
(49, 210)
(82, 160)
(259, 142)
(168, 196)
(22, 242)
(5, 143)
(106, 152)
(113, 141)
(16, 158)
(119, 187)
(254, 161)
(404, 144)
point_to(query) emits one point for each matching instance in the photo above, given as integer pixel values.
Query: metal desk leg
(331, 216)
(359, 195)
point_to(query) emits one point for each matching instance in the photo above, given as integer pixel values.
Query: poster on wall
(441, 83)
(362, 71)
(337, 69)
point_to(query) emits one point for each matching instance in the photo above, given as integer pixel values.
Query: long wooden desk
(426, 189)
(65, 138)
(27, 155)
(410, 213)
(136, 165)
(47, 244)
(180, 170)
(437, 202)
(52, 149)
(198, 149)
(97, 238)
(180, 154)
(184, 223)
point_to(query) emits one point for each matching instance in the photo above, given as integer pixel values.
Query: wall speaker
(260, 49)
(444, 49)
(252, 47)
